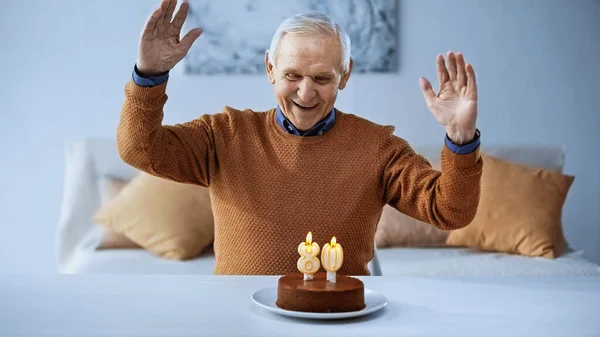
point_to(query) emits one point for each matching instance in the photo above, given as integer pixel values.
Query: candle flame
(333, 242)
(309, 238)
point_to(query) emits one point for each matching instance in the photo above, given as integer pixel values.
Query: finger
(427, 91)
(169, 14)
(451, 66)
(164, 5)
(150, 25)
(189, 38)
(471, 81)
(181, 16)
(461, 75)
(443, 76)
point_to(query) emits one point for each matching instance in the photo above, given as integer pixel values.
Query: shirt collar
(320, 128)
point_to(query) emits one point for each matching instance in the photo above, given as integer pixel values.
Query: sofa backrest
(88, 161)
(545, 156)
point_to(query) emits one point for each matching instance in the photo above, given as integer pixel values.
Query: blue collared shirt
(320, 128)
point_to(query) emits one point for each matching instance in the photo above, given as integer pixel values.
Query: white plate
(267, 297)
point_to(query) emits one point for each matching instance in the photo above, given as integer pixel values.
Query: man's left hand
(455, 105)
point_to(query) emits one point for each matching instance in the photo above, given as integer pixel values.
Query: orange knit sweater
(270, 188)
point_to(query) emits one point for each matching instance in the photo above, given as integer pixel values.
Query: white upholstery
(89, 160)
(452, 261)
(396, 262)
(138, 261)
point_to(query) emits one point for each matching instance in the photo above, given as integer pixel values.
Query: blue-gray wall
(64, 65)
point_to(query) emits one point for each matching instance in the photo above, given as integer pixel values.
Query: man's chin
(302, 118)
(309, 114)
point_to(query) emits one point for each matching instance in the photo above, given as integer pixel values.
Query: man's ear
(346, 76)
(269, 68)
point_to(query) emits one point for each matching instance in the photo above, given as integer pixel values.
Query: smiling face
(307, 76)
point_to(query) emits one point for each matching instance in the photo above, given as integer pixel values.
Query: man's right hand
(160, 48)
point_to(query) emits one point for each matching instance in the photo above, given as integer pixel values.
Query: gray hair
(311, 23)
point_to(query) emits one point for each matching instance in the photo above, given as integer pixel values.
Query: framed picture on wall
(238, 32)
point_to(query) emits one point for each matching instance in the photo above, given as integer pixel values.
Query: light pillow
(396, 229)
(520, 211)
(109, 239)
(170, 219)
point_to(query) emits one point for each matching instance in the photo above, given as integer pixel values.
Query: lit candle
(332, 258)
(308, 263)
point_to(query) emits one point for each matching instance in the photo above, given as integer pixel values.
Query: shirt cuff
(148, 81)
(464, 148)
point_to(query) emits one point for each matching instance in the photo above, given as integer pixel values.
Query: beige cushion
(396, 229)
(520, 211)
(110, 239)
(170, 219)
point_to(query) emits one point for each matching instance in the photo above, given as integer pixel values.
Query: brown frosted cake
(318, 295)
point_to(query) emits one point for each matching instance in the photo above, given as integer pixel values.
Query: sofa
(87, 161)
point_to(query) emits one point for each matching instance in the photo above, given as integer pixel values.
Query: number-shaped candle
(308, 263)
(332, 258)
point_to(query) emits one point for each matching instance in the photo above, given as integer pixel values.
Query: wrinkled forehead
(309, 52)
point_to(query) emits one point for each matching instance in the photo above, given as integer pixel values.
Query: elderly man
(304, 165)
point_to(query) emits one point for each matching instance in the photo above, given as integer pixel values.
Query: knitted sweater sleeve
(182, 152)
(447, 199)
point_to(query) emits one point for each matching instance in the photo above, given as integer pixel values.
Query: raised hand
(160, 48)
(455, 105)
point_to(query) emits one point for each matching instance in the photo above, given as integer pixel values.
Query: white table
(177, 305)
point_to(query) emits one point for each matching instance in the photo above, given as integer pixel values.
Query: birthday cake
(320, 295)
(310, 290)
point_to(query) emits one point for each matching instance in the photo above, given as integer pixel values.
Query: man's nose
(306, 90)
